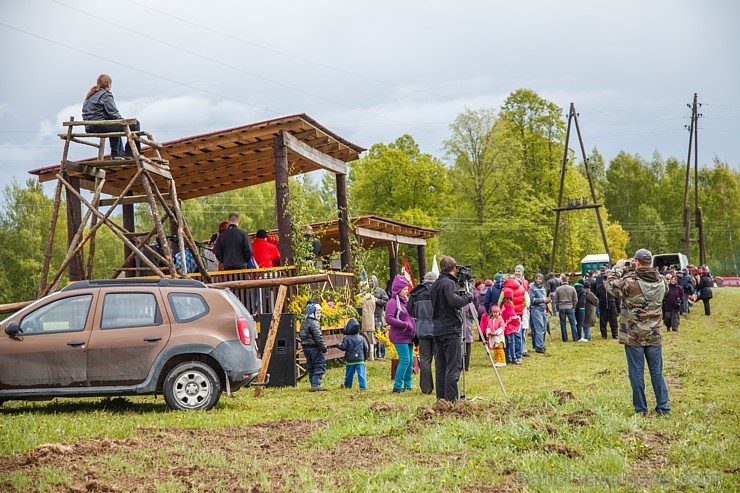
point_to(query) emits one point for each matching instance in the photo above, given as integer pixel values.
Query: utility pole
(573, 117)
(693, 128)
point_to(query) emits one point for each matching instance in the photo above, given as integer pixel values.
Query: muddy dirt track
(270, 456)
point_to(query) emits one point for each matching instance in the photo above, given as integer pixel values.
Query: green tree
(395, 177)
(540, 128)
(720, 201)
(25, 215)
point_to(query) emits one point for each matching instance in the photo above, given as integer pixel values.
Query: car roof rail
(160, 282)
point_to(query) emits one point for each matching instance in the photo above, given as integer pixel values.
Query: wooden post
(344, 246)
(50, 239)
(422, 251)
(271, 336)
(393, 259)
(129, 224)
(74, 213)
(282, 199)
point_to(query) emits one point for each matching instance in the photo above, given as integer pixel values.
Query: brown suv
(175, 337)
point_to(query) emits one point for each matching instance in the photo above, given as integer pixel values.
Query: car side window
(130, 310)
(187, 306)
(64, 315)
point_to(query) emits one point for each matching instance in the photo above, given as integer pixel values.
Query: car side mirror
(13, 329)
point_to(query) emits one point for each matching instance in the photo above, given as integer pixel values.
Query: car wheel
(191, 386)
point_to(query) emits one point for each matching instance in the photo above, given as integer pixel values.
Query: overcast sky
(371, 70)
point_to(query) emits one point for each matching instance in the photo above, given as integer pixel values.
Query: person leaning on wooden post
(100, 105)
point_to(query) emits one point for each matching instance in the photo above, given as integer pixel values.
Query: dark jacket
(233, 248)
(687, 283)
(606, 300)
(552, 284)
(100, 106)
(587, 301)
(493, 294)
(447, 304)
(705, 287)
(311, 335)
(402, 324)
(420, 307)
(354, 345)
(673, 298)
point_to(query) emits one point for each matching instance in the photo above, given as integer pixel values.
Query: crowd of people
(632, 301)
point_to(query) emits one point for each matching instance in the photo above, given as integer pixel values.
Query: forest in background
(490, 195)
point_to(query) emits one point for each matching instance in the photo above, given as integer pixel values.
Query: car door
(51, 349)
(130, 330)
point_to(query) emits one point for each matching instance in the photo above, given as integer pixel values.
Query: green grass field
(567, 426)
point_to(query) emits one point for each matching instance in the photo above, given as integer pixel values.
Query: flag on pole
(435, 266)
(406, 272)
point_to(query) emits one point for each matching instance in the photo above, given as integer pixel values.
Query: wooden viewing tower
(150, 174)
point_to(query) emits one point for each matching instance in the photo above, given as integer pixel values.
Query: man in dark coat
(420, 307)
(447, 304)
(607, 306)
(233, 248)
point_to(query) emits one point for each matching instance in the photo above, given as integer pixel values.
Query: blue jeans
(513, 350)
(349, 375)
(538, 322)
(116, 146)
(570, 313)
(580, 315)
(405, 367)
(636, 356)
(315, 364)
(587, 333)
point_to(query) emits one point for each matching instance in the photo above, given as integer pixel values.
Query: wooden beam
(379, 235)
(133, 199)
(271, 336)
(85, 170)
(306, 151)
(344, 246)
(95, 123)
(271, 282)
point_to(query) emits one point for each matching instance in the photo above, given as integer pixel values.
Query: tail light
(243, 329)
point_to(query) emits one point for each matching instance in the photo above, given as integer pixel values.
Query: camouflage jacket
(642, 292)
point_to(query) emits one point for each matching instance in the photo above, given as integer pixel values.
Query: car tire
(191, 386)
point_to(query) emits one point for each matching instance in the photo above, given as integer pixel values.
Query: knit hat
(499, 275)
(495, 308)
(478, 282)
(539, 275)
(311, 309)
(430, 277)
(578, 285)
(489, 282)
(261, 233)
(508, 293)
(519, 267)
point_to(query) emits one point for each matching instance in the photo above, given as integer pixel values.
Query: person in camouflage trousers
(641, 330)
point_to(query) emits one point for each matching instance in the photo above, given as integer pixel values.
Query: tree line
(490, 195)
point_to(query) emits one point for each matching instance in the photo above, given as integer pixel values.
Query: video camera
(463, 276)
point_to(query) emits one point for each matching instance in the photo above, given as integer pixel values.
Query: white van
(677, 260)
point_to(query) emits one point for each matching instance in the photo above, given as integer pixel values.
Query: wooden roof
(236, 158)
(371, 232)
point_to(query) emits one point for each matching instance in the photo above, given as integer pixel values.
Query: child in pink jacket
(512, 324)
(495, 336)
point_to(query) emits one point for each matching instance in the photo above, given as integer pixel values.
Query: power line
(173, 81)
(289, 55)
(233, 67)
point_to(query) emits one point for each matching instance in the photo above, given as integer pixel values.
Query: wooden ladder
(151, 172)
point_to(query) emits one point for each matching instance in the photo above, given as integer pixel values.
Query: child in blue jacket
(355, 352)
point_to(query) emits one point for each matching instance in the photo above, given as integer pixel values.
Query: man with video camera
(447, 304)
(641, 289)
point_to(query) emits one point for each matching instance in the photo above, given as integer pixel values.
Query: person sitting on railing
(100, 105)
